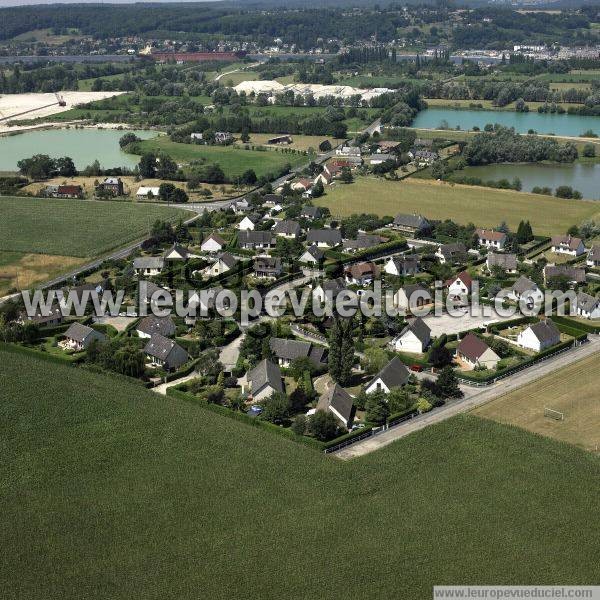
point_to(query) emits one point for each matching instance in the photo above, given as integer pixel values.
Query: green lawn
(486, 207)
(75, 227)
(234, 161)
(110, 491)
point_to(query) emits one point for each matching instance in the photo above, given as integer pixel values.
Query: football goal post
(553, 414)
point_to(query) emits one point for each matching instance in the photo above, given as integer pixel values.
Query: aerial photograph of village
(299, 299)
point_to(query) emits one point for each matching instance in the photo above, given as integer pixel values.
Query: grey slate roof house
(152, 325)
(79, 337)
(285, 351)
(411, 223)
(324, 237)
(572, 274)
(507, 262)
(148, 265)
(393, 375)
(406, 264)
(267, 266)
(165, 352)
(287, 229)
(311, 212)
(252, 240)
(264, 380)
(177, 252)
(339, 402)
(451, 253)
(588, 306)
(313, 255)
(362, 242)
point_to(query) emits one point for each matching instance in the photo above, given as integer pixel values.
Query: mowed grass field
(572, 390)
(75, 227)
(234, 161)
(110, 491)
(299, 142)
(486, 207)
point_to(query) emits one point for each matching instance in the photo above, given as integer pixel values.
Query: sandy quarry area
(44, 105)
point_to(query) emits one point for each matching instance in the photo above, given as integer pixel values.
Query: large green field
(75, 227)
(486, 207)
(110, 491)
(234, 161)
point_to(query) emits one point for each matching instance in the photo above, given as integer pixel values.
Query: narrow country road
(473, 397)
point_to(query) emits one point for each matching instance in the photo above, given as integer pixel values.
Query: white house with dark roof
(256, 240)
(287, 229)
(412, 296)
(165, 353)
(528, 290)
(264, 380)
(414, 223)
(414, 338)
(473, 352)
(338, 401)
(539, 336)
(567, 244)
(574, 275)
(324, 238)
(593, 257)
(312, 256)
(311, 212)
(451, 253)
(393, 375)
(213, 243)
(267, 267)
(403, 265)
(177, 252)
(507, 262)
(286, 351)
(587, 306)
(152, 325)
(491, 239)
(225, 262)
(148, 266)
(329, 287)
(79, 337)
(248, 223)
(362, 242)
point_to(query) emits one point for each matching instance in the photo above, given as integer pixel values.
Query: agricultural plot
(75, 228)
(571, 397)
(486, 207)
(175, 486)
(234, 161)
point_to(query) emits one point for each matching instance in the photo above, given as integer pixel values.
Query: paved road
(473, 397)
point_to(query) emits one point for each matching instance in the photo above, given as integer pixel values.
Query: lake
(466, 119)
(580, 176)
(82, 145)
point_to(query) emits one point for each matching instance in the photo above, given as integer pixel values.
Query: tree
(346, 175)
(299, 366)
(341, 350)
(128, 138)
(147, 166)
(317, 189)
(166, 167)
(299, 425)
(39, 166)
(325, 146)
(323, 425)
(66, 167)
(375, 360)
(276, 408)
(447, 384)
(589, 150)
(399, 400)
(298, 400)
(376, 408)
(439, 356)
(248, 177)
(245, 135)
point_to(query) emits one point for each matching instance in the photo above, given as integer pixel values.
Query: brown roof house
(474, 352)
(361, 274)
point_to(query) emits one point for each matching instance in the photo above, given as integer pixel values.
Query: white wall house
(415, 337)
(567, 244)
(539, 336)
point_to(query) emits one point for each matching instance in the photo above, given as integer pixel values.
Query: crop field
(486, 207)
(75, 228)
(234, 161)
(110, 491)
(572, 391)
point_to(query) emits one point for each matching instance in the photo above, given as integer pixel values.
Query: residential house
(414, 338)
(593, 257)
(240, 206)
(338, 402)
(65, 191)
(324, 177)
(330, 287)
(267, 267)
(197, 136)
(165, 353)
(53, 318)
(423, 157)
(412, 296)
(148, 266)
(313, 256)
(574, 275)
(506, 262)
(223, 137)
(526, 289)
(459, 287)
(361, 274)
(362, 242)
(286, 351)
(213, 243)
(149, 292)
(324, 238)
(112, 185)
(311, 213)
(393, 375)
(287, 229)
(403, 265)
(567, 244)
(280, 140)
(79, 337)
(378, 158)
(264, 380)
(587, 306)
(272, 200)
(204, 301)
(146, 192)
(152, 325)
(451, 253)
(491, 239)
(539, 336)
(474, 352)
(248, 223)
(177, 252)
(302, 185)
(224, 263)
(349, 151)
(387, 146)
(423, 143)
(256, 240)
(413, 224)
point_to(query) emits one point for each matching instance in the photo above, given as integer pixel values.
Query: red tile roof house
(361, 274)
(69, 191)
(566, 244)
(491, 239)
(474, 352)
(460, 286)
